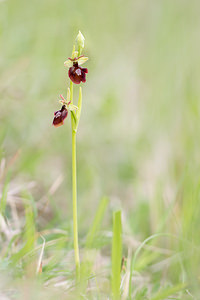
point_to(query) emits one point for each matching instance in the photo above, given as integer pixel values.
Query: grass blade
(97, 222)
(39, 265)
(170, 291)
(116, 255)
(4, 195)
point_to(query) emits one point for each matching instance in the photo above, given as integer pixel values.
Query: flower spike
(77, 74)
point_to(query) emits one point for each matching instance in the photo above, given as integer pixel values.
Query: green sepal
(81, 60)
(68, 63)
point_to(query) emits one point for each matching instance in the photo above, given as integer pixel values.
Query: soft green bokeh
(138, 138)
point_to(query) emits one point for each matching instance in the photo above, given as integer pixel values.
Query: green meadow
(138, 151)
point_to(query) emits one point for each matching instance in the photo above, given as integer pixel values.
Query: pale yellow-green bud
(80, 42)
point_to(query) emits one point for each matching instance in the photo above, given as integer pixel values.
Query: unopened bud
(80, 42)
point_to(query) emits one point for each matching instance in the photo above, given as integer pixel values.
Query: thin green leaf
(116, 254)
(78, 114)
(74, 118)
(140, 248)
(169, 291)
(97, 222)
(4, 195)
(30, 230)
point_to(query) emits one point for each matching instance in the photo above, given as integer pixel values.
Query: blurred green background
(138, 139)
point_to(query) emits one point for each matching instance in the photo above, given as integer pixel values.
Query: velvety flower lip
(77, 73)
(60, 116)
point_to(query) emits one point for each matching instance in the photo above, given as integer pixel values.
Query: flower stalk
(74, 122)
(77, 74)
(74, 200)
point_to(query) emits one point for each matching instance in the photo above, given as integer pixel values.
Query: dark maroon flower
(77, 73)
(60, 116)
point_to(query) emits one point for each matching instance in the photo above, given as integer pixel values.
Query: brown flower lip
(77, 73)
(60, 116)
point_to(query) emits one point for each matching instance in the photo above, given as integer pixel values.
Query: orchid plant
(77, 74)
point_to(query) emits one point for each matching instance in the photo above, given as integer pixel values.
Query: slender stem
(71, 92)
(74, 192)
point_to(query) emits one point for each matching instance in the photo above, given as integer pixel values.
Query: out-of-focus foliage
(138, 139)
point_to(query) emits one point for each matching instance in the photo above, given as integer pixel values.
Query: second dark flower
(60, 116)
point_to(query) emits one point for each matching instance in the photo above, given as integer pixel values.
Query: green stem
(74, 192)
(71, 91)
